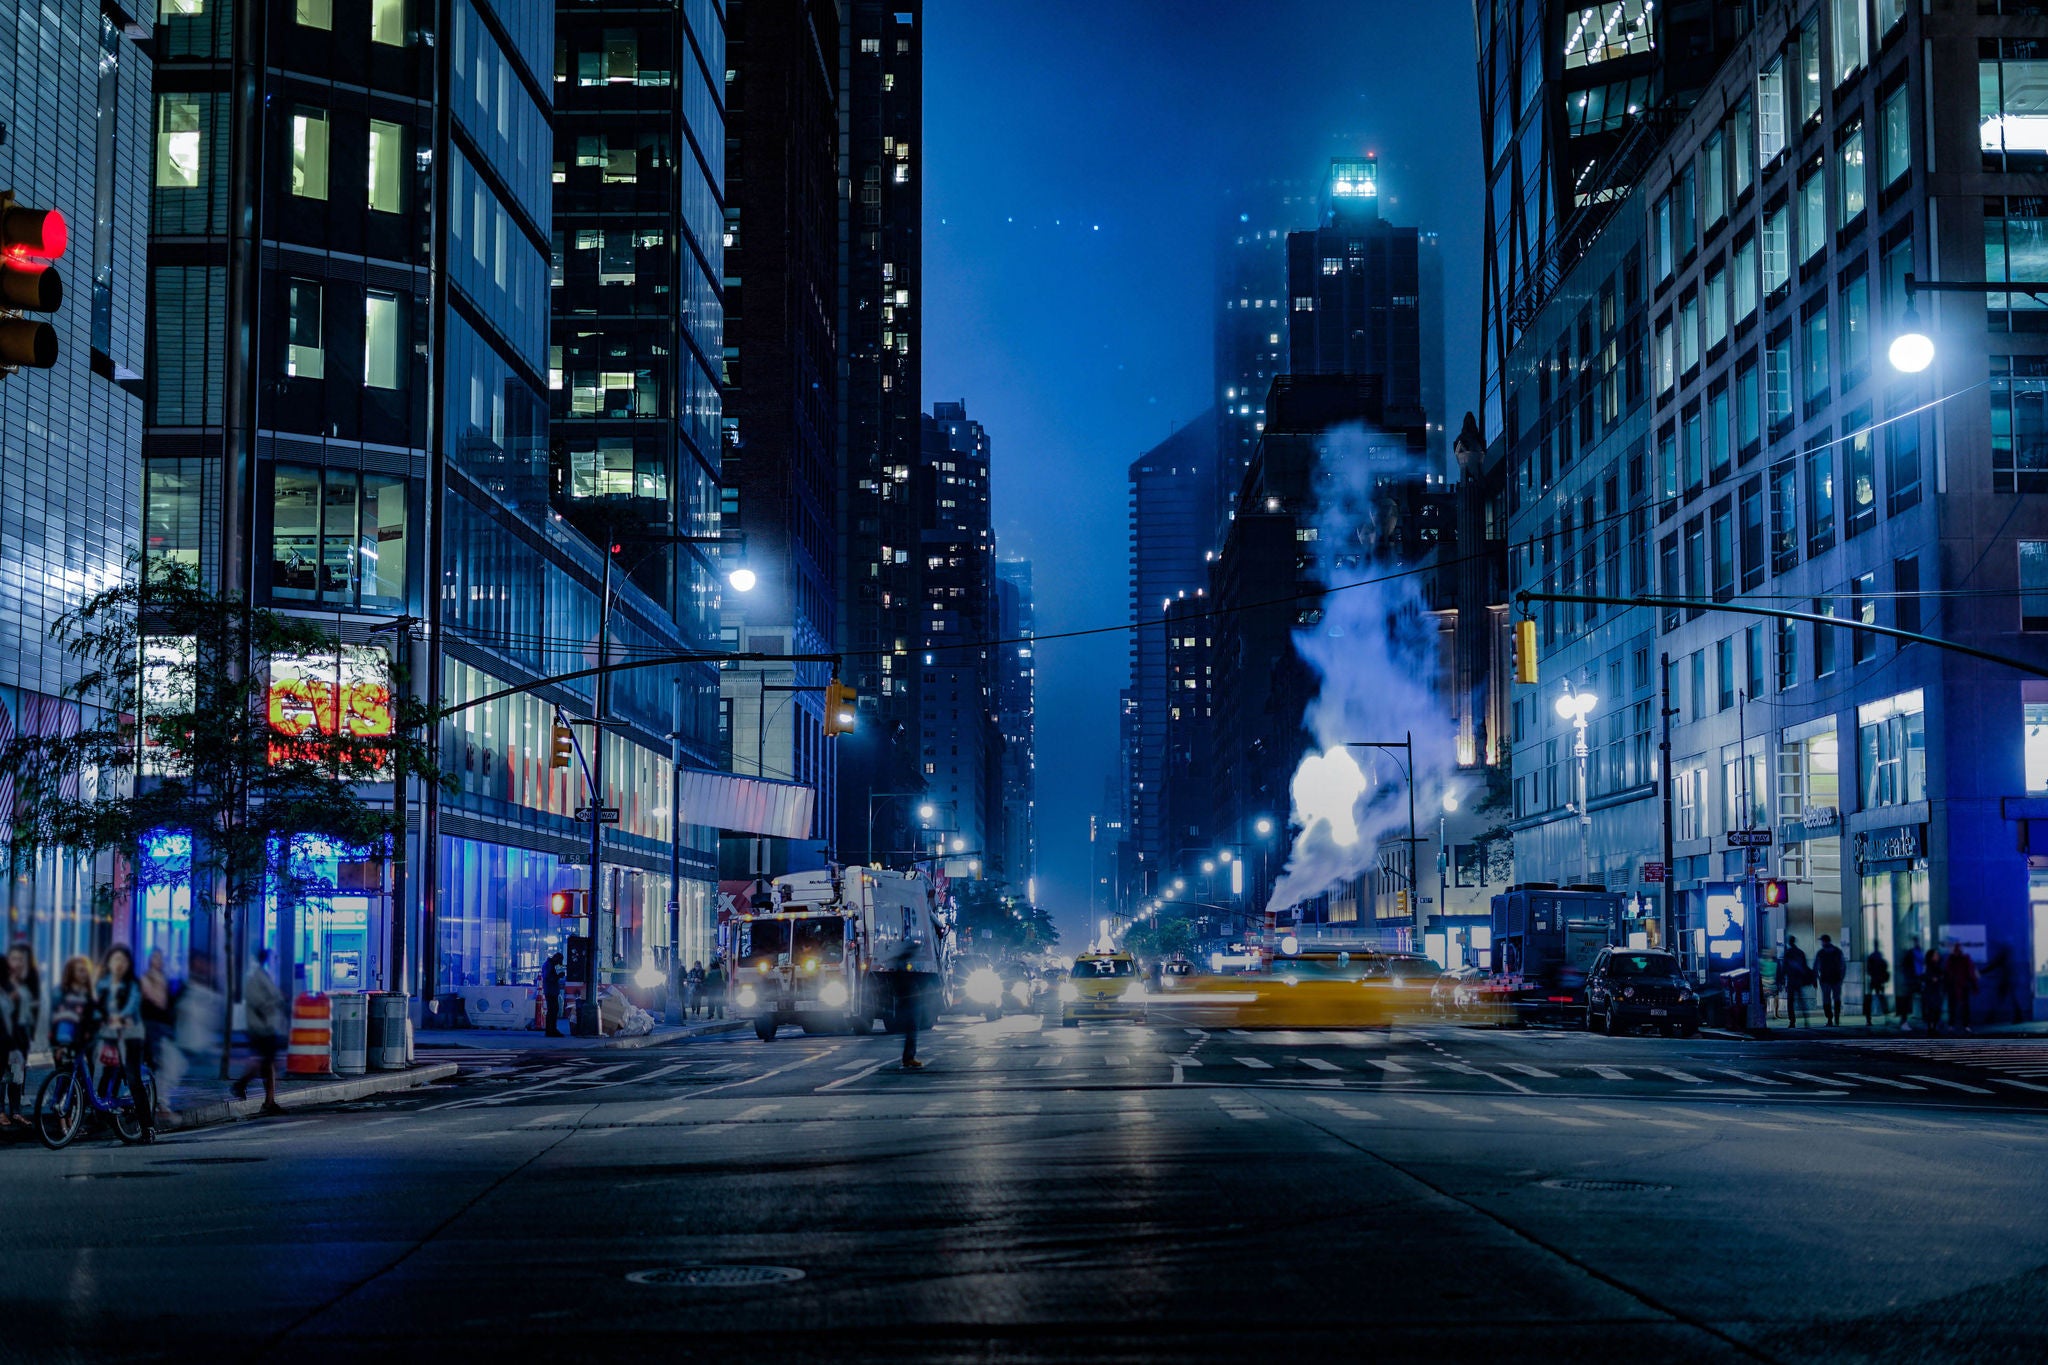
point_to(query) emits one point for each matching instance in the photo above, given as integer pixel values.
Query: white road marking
(1536, 1113)
(1953, 1085)
(986, 1059)
(1189, 1060)
(668, 1111)
(757, 1111)
(1317, 1064)
(2023, 1085)
(1745, 1076)
(854, 1065)
(1116, 1059)
(1635, 1117)
(1880, 1080)
(1387, 1064)
(1538, 1072)
(1809, 1076)
(1609, 1073)
(1235, 1107)
(1254, 1063)
(1685, 1076)
(1337, 1106)
(545, 1119)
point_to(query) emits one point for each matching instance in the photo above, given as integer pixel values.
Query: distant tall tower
(1251, 317)
(956, 725)
(1354, 293)
(1172, 530)
(1016, 846)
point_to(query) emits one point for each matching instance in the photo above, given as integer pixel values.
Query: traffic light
(29, 240)
(1523, 650)
(566, 904)
(840, 714)
(562, 747)
(1775, 892)
(1401, 901)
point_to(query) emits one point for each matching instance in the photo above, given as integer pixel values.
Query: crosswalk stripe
(657, 1115)
(1255, 1064)
(759, 1111)
(1880, 1080)
(1318, 1064)
(1187, 1061)
(1608, 1073)
(1676, 1075)
(986, 1059)
(1746, 1077)
(2023, 1085)
(850, 1066)
(1237, 1108)
(1387, 1064)
(1337, 1106)
(1116, 1059)
(545, 1119)
(1817, 1080)
(1538, 1072)
(1952, 1085)
(1533, 1112)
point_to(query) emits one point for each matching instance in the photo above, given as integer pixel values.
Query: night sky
(1077, 152)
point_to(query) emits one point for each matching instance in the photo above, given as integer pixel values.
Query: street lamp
(1407, 747)
(1443, 861)
(927, 811)
(742, 579)
(1224, 856)
(1912, 350)
(1263, 825)
(1208, 866)
(1575, 706)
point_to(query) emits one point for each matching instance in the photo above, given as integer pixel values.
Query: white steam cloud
(1375, 652)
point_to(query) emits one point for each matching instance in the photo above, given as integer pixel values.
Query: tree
(203, 716)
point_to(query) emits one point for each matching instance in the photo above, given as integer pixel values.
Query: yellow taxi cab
(1102, 986)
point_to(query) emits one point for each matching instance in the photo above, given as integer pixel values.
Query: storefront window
(328, 916)
(1895, 912)
(2034, 723)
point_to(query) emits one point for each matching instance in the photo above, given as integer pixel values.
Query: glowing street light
(742, 579)
(1263, 825)
(927, 811)
(1224, 856)
(1575, 706)
(1208, 866)
(1912, 350)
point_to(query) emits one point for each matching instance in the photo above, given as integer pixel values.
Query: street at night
(1118, 1192)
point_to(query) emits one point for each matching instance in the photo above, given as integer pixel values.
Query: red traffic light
(562, 905)
(1775, 893)
(33, 234)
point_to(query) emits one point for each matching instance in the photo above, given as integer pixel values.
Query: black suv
(1629, 987)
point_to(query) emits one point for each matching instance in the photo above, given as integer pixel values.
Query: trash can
(351, 1033)
(390, 1042)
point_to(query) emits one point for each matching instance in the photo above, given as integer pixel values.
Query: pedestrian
(28, 1014)
(13, 1048)
(197, 1037)
(1877, 974)
(714, 989)
(266, 1023)
(1959, 975)
(1830, 967)
(551, 991)
(1930, 991)
(1794, 975)
(1909, 982)
(693, 988)
(2006, 1002)
(909, 999)
(118, 997)
(159, 1013)
(71, 1010)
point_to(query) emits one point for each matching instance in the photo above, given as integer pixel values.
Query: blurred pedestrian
(909, 985)
(28, 1017)
(1959, 975)
(693, 988)
(1831, 967)
(714, 989)
(266, 1023)
(2004, 974)
(551, 991)
(14, 1005)
(1794, 975)
(1877, 974)
(159, 1015)
(1910, 967)
(1930, 992)
(118, 997)
(71, 1010)
(197, 1034)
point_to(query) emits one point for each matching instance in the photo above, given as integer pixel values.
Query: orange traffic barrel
(311, 1049)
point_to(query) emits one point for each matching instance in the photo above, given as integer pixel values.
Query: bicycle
(69, 1093)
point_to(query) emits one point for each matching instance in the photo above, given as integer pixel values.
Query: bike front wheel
(60, 1110)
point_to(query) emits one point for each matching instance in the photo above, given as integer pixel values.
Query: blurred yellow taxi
(1315, 989)
(1102, 986)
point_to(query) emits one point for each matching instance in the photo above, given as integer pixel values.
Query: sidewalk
(533, 1040)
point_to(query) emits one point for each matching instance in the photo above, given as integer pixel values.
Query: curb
(307, 1096)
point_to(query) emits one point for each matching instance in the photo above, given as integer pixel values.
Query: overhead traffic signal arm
(30, 239)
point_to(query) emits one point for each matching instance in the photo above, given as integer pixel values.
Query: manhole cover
(716, 1276)
(117, 1175)
(208, 1160)
(1605, 1186)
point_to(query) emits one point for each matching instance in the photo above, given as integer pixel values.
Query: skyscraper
(782, 372)
(1014, 857)
(956, 722)
(880, 302)
(1354, 292)
(1251, 313)
(77, 112)
(1172, 529)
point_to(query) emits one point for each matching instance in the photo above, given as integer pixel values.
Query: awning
(748, 805)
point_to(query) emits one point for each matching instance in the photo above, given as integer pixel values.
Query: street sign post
(1749, 838)
(606, 815)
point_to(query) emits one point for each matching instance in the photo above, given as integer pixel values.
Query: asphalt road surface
(1105, 1193)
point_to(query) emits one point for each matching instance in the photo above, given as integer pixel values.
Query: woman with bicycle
(118, 997)
(71, 1010)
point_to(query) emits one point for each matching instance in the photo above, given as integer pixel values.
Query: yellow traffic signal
(1401, 901)
(840, 714)
(1524, 650)
(562, 748)
(29, 240)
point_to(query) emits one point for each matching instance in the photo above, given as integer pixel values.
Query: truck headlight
(1069, 991)
(833, 993)
(749, 997)
(984, 987)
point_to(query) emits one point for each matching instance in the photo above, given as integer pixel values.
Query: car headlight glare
(984, 987)
(749, 997)
(833, 993)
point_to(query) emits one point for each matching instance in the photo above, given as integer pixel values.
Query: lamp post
(1443, 860)
(1407, 747)
(1912, 350)
(1575, 706)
